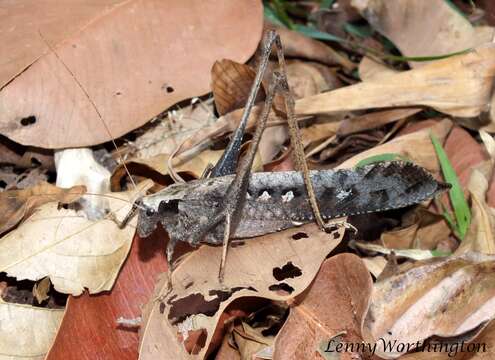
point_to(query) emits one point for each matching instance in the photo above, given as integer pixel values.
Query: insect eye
(150, 212)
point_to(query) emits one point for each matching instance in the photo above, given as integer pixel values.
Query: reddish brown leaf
(89, 328)
(337, 301)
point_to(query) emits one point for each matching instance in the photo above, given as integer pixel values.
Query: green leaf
(362, 31)
(461, 208)
(326, 4)
(271, 16)
(440, 253)
(380, 158)
(278, 7)
(314, 33)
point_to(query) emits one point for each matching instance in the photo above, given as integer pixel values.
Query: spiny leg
(235, 197)
(226, 238)
(295, 134)
(170, 265)
(228, 162)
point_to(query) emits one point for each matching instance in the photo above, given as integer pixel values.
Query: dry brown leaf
(156, 167)
(41, 288)
(416, 146)
(447, 297)
(299, 46)
(255, 268)
(409, 24)
(231, 83)
(16, 205)
(337, 301)
(166, 134)
(370, 69)
(464, 89)
(27, 331)
(75, 252)
(126, 60)
(250, 340)
(375, 264)
(481, 233)
(374, 120)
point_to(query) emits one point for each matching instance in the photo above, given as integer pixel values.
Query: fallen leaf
(156, 168)
(16, 205)
(299, 46)
(336, 302)
(370, 69)
(231, 83)
(197, 299)
(464, 91)
(374, 120)
(375, 264)
(446, 297)
(409, 24)
(90, 321)
(125, 60)
(415, 146)
(75, 252)
(40, 290)
(27, 331)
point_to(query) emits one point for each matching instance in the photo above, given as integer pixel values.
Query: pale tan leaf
(375, 264)
(27, 331)
(197, 299)
(415, 146)
(126, 60)
(41, 288)
(75, 252)
(464, 89)
(370, 69)
(16, 205)
(336, 302)
(447, 297)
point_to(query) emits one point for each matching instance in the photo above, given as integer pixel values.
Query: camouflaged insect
(278, 200)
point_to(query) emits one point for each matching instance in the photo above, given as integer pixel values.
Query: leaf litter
(357, 102)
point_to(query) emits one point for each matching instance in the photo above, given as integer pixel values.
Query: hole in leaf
(35, 161)
(281, 288)
(299, 236)
(287, 271)
(28, 120)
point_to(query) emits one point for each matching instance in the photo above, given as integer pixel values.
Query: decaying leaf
(415, 146)
(409, 24)
(197, 299)
(231, 83)
(41, 288)
(335, 303)
(125, 60)
(16, 205)
(446, 297)
(481, 234)
(464, 89)
(27, 331)
(75, 252)
(300, 46)
(156, 168)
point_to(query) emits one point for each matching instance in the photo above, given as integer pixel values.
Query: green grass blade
(461, 208)
(380, 158)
